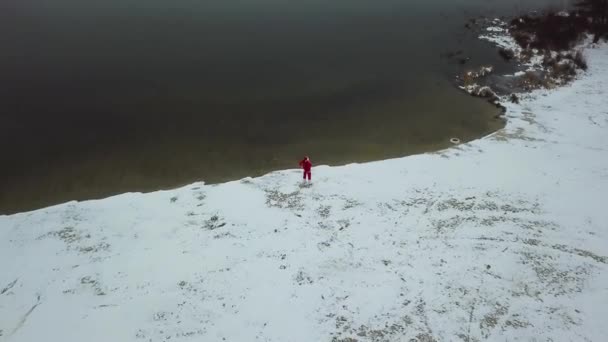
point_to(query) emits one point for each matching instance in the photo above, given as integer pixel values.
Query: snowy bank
(504, 238)
(539, 60)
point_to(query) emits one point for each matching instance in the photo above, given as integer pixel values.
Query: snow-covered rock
(495, 29)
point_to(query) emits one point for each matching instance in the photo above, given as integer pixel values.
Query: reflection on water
(101, 97)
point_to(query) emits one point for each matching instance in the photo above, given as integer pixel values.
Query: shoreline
(102, 185)
(138, 122)
(495, 31)
(540, 58)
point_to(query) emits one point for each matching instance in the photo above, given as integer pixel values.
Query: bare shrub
(580, 60)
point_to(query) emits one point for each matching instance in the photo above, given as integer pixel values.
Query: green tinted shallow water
(103, 97)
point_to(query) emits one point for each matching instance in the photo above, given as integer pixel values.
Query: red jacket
(306, 164)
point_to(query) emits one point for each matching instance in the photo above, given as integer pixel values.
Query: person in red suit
(307, 166)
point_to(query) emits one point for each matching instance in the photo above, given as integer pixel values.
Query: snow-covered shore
(504, 238)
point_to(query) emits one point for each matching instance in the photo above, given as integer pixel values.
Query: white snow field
(502, 239)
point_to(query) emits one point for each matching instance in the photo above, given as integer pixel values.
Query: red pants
(307, 173)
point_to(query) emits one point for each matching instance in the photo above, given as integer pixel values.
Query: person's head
(305, 157)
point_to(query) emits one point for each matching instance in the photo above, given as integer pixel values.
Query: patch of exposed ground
(277, 199)
(8, 286)
(77, 240)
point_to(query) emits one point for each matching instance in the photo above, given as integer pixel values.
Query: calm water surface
(102, 97)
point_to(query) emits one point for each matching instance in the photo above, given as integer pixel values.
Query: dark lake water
(102, 97)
